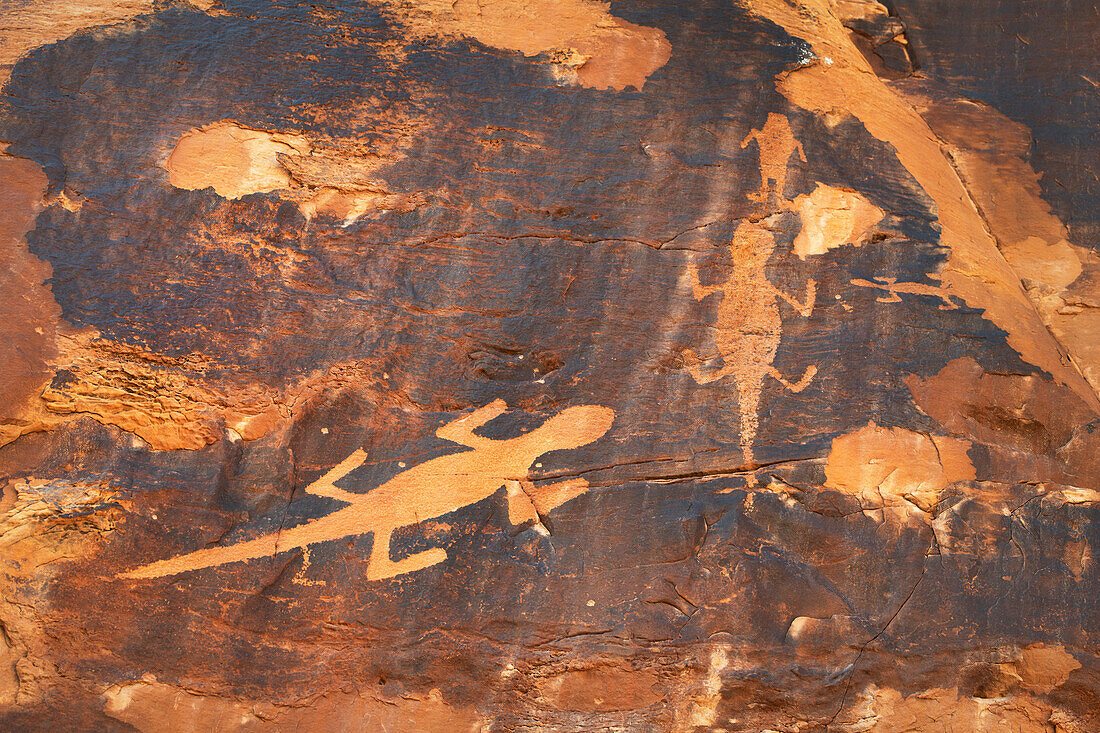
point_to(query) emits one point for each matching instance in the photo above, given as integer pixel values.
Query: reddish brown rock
(29, 314)
(525, 366)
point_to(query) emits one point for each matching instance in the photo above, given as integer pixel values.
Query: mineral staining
(536, 366)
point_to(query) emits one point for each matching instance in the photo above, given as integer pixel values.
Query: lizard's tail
(259, 547)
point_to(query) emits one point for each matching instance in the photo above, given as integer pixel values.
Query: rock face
(523, 365)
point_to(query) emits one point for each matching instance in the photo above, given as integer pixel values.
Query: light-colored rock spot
(603, 51)
(233, 160)
(832, 217)
(349, 206)
(704, 703)
(1042, 668)
(834, 632)
(895, 462)
(336, 181)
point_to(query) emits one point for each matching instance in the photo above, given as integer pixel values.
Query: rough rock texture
(519, 365)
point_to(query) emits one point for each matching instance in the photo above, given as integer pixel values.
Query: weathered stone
(523, 365)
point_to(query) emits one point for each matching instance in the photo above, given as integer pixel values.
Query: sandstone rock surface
(520, 365)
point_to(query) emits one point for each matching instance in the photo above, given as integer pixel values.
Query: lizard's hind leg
(382, 567)
(701, 375)
(801, 384)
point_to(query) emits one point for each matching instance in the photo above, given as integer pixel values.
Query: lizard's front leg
(804, 308)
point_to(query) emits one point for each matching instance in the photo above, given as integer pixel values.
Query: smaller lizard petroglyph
(776, 143)
(892, 287)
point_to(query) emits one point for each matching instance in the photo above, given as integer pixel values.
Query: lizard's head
(572, 428)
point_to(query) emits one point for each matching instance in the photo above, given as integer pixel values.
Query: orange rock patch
(1043, 668)
(832, 217)
(338, 181)
(28, 312)
(894, 462)
(591, 45)
(233, 160)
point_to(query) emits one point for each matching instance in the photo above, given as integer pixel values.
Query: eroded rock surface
(520, 366)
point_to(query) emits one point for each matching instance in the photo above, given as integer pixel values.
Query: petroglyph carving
(892, 287)
(432, 489)
(776, 143)
(748, 328)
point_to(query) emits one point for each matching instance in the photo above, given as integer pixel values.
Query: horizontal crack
(708, 473)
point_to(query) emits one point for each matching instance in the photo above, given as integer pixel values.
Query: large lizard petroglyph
(747, 328)
(432, 489)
